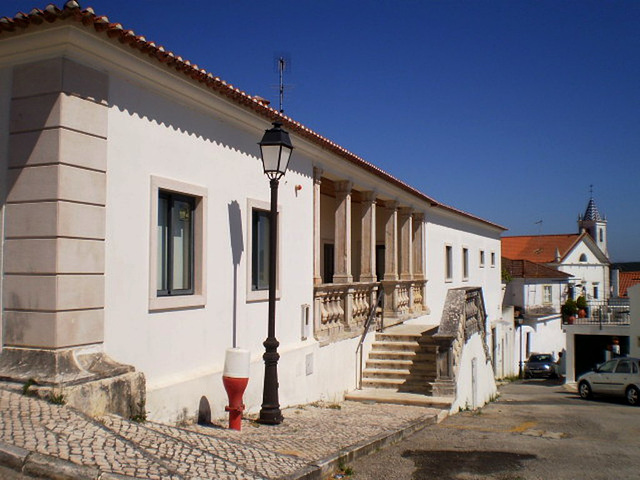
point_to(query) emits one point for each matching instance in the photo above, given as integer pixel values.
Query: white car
(620, 377)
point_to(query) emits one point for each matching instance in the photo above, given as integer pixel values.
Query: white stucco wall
(444, 228)
(5, 102)
(475, 382)
(634, 327)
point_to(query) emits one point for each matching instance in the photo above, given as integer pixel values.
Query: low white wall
(331, 374)
(475, 386)
(634, 328)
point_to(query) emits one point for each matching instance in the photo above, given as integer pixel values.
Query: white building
(134, 233)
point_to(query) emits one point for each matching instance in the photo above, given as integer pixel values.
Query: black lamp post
(275, 149)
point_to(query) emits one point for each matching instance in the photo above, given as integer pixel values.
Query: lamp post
(275, 150)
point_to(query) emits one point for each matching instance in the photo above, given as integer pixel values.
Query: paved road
(536, 430)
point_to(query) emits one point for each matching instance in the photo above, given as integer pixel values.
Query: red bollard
(235, 377)
(235, 389)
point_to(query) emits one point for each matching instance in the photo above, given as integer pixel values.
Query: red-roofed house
(583, 258)
(135, 231)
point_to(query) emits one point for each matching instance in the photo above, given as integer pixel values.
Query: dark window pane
(260, 250)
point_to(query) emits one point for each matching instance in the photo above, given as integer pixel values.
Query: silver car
(620, 377)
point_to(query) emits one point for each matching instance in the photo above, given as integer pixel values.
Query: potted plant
(569, 310)
(581, 303)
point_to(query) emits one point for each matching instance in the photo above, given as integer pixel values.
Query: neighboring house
(583, 256)
(134, 235)
(623, 277)
(536, 292)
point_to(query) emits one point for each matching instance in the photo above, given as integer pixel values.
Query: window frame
(261, 295)
(196, 297)
(465, 264)
(481, 259)
(493, 259)
(172, 198)
(448, 263)
(545, 289)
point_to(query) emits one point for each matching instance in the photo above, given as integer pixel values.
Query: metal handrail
(379, 303)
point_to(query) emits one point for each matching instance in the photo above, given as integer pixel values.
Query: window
(493, 259)
(481, 258)
(607, 367)
(258, 232)
(177, 237)
(465, 263)
(595, 291)
(448, 263)
(260, 224)
(583, 258)
(601, 236)
(624, 366)
(175, 244)
(546, 294)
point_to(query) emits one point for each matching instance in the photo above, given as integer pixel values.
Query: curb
(320, 469)
(48, 467)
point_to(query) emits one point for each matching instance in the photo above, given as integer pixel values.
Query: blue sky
(506, 109)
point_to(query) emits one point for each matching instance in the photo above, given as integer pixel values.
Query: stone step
(398, 398)
(391, 363)
(374, 373)
(395, 337)
(390, 383)
(395, 346)
(392, 355)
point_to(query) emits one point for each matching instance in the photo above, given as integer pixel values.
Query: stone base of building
(85, 378)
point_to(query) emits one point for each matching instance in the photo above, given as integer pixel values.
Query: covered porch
(366, 244)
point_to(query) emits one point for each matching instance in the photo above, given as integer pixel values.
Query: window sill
(177, 302)
(260, 295)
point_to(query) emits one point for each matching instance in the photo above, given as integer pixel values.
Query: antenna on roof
(282, 66)
(591, 191)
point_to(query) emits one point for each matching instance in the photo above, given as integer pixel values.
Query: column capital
(391, 205)
(369, 196)
(343, 187)
(405, 211)
(418, 216)
(317, 175)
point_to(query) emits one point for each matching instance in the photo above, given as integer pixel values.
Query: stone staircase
(401, 368)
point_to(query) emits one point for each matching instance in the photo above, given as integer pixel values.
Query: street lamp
(275, 150)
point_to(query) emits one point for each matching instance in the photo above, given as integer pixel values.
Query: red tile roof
(627, 279)
(538, 248)
(528, 269)
(87, 17)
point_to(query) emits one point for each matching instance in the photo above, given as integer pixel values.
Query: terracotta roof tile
(101, 24)
(538, 248)
(627, 279)
(528, 269)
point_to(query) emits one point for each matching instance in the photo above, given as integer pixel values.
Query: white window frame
(545, 289)
(198, 298)
(481, 258)
(465, 264)
(448, 263)
(260, 295)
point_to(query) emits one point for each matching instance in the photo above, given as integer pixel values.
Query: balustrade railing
(343, 308)
(611, 312)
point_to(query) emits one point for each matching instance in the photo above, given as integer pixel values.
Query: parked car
(620, 377)
(540, 365)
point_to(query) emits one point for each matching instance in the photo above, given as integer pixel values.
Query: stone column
(391, 242)
(317, 268)
(368, 252)
(406, 243)
(342, 270)
(54, 256)
(418, 246)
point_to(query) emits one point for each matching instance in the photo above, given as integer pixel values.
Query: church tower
(594, 224)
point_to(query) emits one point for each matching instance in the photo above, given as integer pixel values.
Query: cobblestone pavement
(310, 437)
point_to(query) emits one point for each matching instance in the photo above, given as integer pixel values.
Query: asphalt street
(535, 430)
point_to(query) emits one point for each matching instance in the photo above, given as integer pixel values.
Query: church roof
(538, 248)
(591, 214)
